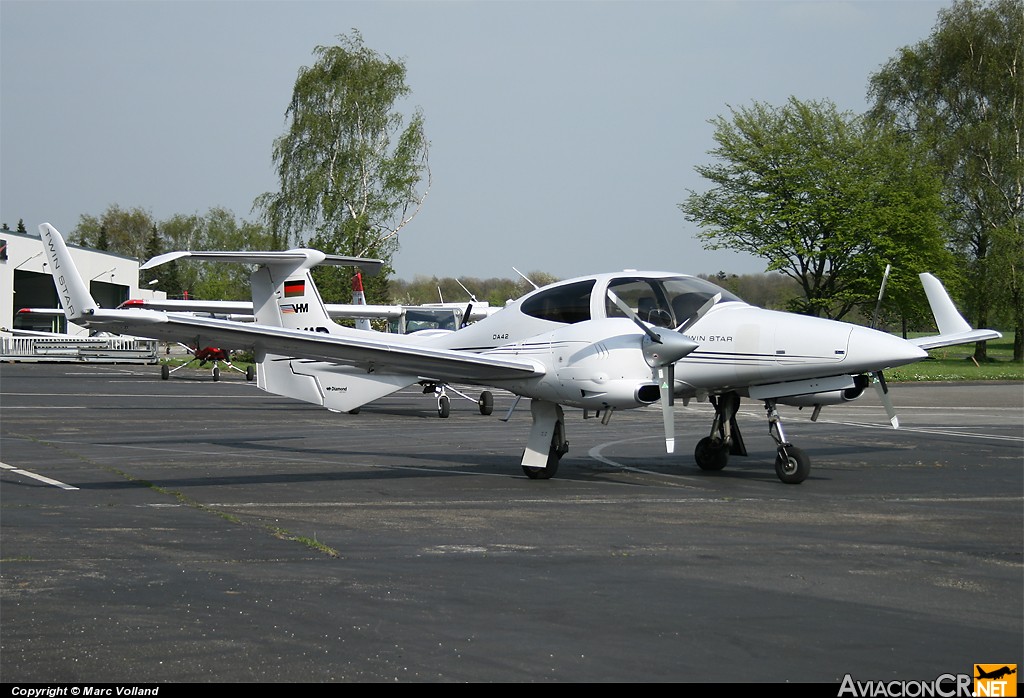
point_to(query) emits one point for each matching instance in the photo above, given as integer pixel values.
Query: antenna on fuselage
(535, 286)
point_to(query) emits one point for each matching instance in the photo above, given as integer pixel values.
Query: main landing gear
(712, 453)
(547, 442)
(444, 403)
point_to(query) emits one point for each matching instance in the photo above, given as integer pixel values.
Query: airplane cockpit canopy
(664, 301)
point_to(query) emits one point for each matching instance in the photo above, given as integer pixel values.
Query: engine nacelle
(830, 397)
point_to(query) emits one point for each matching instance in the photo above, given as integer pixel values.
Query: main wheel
(249, 373)
(558, 449)
(216, 373)
(711, 454)
(792, 465)
(544, 473)
(165, 372)
(444, 406)
(486, 402)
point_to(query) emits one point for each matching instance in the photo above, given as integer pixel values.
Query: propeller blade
(667, 385)
(651, 334)
(883, 394)
(881, 293)
(701, 312)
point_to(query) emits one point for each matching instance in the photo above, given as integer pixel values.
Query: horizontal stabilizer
(299, 258)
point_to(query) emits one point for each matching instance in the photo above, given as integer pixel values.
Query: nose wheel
(792, 465)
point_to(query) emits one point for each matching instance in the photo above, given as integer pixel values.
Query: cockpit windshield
(666, 302)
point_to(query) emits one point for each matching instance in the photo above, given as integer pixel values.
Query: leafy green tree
(351, 172)
(218, 229)
(960, 93)
(124, 232)
(826, 199)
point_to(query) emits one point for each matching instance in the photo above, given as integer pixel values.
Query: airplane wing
(948, 340)
(338, 311)
(191, 306)
(374, 352)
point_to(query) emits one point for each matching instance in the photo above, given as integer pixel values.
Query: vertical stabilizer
(71, 288)
(359, 298)
(284, 295)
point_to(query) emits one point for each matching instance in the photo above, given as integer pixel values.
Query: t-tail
(284, 295)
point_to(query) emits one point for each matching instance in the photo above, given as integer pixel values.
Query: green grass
(957, 364)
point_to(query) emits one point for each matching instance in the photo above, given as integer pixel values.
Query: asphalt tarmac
(197, 531)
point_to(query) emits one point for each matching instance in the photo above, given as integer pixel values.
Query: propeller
(701, 311)
(661, 351)
(880, 386)
(883, 394)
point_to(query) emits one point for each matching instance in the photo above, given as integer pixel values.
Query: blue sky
(563, 134)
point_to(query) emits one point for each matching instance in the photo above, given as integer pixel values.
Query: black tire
(165, 372)
(555, 453)
(354, 411)
(544, 473)
(792, 465)
(216, 373)
(711, 454)
(250, 373)
(486, 402)
(444, 406)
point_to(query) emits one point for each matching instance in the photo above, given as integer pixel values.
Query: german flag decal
(294, 288)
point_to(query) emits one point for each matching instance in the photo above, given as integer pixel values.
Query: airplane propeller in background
(662, 350)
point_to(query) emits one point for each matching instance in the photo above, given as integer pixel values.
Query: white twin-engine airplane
(600, 343)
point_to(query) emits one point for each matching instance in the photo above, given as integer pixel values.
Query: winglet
(71, 289)
(948, 319)
(953, 329)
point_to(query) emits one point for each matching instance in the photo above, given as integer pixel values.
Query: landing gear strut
(791, 464)
(547, 442)
(712, 452)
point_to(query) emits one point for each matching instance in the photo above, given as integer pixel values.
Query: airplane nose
(873, 350)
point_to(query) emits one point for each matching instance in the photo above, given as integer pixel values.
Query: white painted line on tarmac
(41, 478)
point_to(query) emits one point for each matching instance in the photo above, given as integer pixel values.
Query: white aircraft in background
(599, 343)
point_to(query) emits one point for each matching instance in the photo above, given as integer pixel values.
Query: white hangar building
(25, 282)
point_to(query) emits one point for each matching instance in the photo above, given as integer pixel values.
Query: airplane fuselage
(593, 362)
